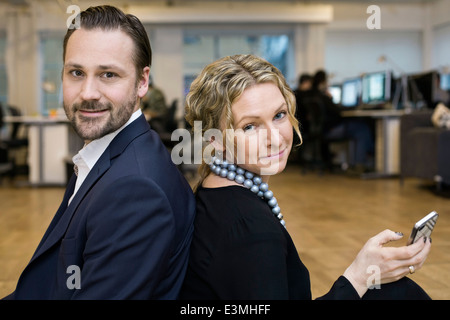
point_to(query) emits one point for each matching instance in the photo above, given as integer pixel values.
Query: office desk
(387, 139)
(50, 141)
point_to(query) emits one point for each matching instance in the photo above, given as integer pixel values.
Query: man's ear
(143, 82)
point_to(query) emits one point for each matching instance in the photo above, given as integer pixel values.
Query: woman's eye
(280, 115)
(248, 127)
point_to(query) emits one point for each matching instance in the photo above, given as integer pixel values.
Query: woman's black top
(241, 251)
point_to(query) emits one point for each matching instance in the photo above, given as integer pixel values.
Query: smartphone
(423, 227)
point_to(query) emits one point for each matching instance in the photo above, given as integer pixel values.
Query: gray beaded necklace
(249, 180)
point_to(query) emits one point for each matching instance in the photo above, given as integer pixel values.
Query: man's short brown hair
(111, 18)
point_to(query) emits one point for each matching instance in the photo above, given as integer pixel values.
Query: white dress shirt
(86, 158)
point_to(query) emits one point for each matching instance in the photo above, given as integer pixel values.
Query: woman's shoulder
(236, 206)
(234, 196)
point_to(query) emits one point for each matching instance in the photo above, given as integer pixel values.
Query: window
(51, 48)
(200, 50)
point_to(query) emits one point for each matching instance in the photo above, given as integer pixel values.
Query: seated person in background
(154, 107)
(301, 93)
(241, 248)
(154, 101)
(334, 126)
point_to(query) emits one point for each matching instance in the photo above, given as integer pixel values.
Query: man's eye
(76, 73)
(108, 75)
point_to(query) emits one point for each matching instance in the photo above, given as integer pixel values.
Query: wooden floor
(329, 217)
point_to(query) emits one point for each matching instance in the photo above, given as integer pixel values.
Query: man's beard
(92, 128)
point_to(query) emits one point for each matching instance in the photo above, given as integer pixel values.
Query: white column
(427, 38)
(315, 47)
(300, 50)
(309, 43)
(22, 66)
(167, 64)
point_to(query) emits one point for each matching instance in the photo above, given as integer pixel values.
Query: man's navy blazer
(125, 235)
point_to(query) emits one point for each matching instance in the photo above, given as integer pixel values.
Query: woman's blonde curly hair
(221, 83)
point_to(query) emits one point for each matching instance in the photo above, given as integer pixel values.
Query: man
(155, 110)
(335, 127)
(301, 93)
(124, 227)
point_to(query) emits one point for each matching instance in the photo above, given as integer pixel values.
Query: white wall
(351, 53)
(414, 37)
(441, 57)
(352, 48)
(441, 31)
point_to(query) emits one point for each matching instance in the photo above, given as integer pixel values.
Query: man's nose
(90, 90)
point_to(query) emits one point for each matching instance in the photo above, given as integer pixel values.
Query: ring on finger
(412, 269)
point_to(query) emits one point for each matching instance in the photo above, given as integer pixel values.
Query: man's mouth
(92, 113)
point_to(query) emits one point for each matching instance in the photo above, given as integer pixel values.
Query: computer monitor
(422, 88)
(376, 87)
(336, 93)
(445, 81)
(351, 92)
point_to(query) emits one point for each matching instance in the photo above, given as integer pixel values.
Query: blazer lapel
(62, 224)
(62, 208)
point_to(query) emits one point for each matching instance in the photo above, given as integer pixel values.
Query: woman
(241, 248)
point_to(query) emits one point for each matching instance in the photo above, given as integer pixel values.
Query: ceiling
(22, 2)
(291, 1)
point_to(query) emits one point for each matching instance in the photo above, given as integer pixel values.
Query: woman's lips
(273, 155)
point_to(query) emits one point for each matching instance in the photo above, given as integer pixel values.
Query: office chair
(12, 144)
(5, 164)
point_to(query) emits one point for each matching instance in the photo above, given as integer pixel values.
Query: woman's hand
(393, 262)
